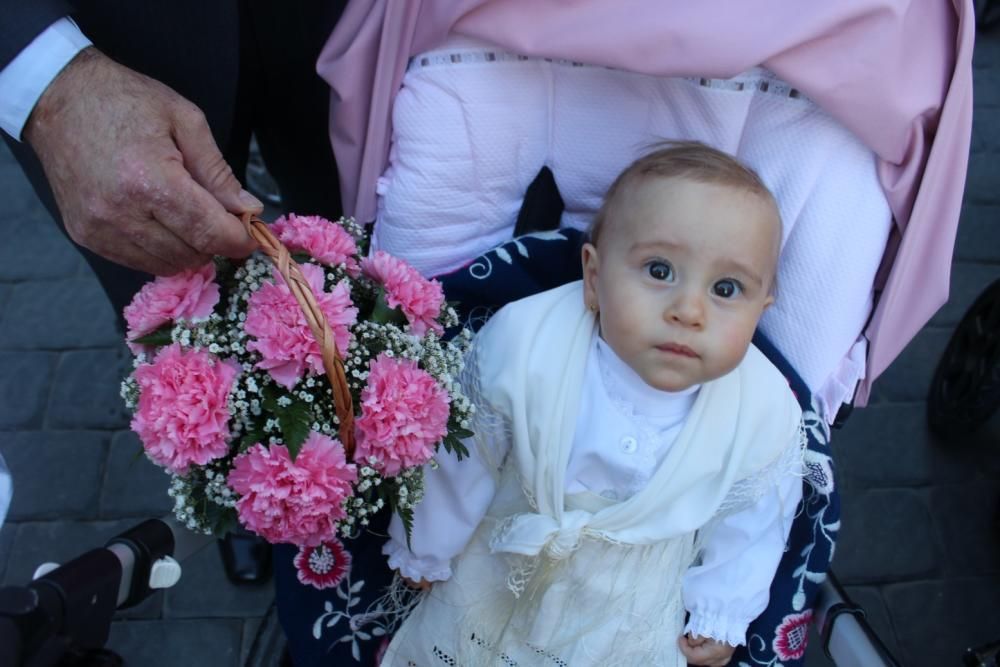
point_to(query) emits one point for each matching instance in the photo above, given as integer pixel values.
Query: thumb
(205, 162)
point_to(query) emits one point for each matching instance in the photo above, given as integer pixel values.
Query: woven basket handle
(332, 362)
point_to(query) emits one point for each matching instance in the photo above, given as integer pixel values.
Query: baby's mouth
(681, 350)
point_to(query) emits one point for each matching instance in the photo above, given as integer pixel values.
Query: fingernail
(250, 201)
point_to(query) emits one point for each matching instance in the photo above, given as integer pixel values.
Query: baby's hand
(423, 585)
(705, 651)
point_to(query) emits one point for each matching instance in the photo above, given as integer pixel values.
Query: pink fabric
(897, 73)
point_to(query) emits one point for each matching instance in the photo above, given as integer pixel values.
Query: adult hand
(705, 651)
(135, 170)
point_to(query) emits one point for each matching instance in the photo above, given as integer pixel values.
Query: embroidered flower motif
(404, 413)
(419, 299)
(792, 636)
(297, 502)
(323, 240)
(189, 295)
(283, 337)
(324, 565)
(819, 471)
(182, 416)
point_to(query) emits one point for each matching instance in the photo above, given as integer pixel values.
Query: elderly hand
(135, 170)
(705, 651)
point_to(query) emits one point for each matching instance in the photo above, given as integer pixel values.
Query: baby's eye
(727, 288)
(660, 270)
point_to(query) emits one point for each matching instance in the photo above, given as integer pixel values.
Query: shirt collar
(624, 383)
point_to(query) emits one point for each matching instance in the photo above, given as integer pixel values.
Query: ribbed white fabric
(472, 126)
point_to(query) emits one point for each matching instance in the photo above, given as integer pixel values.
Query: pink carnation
(283, 337)
(324, 241)
(189, 295)
(182, 417)
(404, 413)
(420, 299)
(298, 502)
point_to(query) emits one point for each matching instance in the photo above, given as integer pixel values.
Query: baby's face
(681, 278)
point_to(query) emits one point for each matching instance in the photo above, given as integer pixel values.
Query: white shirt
(615, 452)
(26, 77)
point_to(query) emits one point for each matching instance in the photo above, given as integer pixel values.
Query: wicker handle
(297, 283)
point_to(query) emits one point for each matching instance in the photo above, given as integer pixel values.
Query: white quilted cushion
(472, 126)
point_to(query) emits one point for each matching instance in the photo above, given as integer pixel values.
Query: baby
(636, 460)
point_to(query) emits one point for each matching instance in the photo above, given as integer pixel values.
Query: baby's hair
(682, 159)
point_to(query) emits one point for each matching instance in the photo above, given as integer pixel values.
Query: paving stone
(58, 314)
(151, 607)
(57, 475)
(908, 378)
(935, 621)
(889, 445)
(985, 130)
(264, 641)
(134, 485)
(967, 520)
(204, 591)
(986, 56)
(886, 535)
(8, 532)
(24, 387)
(85, 393)
(978, 233)
(15, 190)
(968, 281)
(982, 185)
(56, 542)
(870, 599)
(37, 250)
(192, 643)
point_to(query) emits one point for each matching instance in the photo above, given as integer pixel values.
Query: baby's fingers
(704, 652)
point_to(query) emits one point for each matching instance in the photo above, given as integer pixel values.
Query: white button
(629, 444)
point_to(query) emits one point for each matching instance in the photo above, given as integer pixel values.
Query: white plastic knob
(44, 569)
(165, 573)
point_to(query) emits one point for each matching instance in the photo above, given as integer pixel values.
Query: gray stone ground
(919, 548)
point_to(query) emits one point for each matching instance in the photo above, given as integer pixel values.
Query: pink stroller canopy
(897, 73)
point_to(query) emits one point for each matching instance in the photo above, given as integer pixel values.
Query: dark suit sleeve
(23, 20)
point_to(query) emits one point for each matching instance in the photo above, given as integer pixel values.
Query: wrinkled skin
(135, 170)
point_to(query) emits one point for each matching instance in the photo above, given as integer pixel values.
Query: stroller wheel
(965, 390)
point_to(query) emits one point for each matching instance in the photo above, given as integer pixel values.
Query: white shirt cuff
(26, 77)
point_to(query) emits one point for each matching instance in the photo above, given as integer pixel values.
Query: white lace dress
(561, 580)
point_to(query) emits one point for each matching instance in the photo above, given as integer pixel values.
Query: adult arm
(134, 168)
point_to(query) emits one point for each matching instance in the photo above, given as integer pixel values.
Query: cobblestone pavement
(919, 548)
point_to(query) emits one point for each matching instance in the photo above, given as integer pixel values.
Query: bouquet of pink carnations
(299, 391)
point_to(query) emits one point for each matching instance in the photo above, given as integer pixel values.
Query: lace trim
(718, 627)
(411, 567)
(757, 80)
(749, 490)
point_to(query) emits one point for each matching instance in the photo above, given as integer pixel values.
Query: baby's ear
(591, 267)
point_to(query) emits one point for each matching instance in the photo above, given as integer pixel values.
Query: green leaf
(157, 337)
(455, 446)
(251, 438)
(383, 314)
(295, 422)
(302, 257)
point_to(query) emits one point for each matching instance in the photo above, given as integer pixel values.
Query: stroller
(365, 174)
